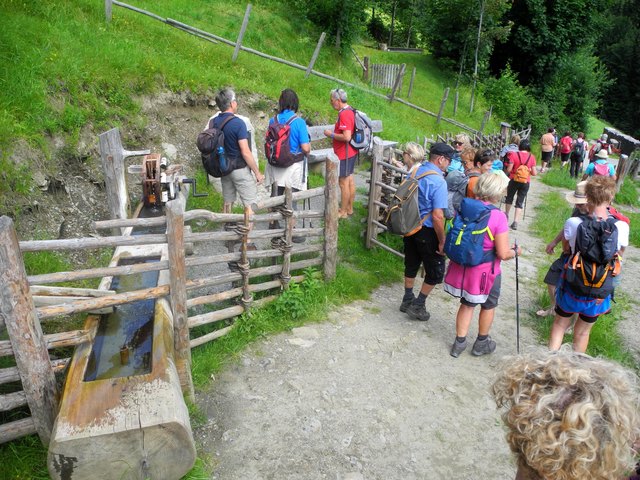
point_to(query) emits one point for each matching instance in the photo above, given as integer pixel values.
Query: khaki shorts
(242, 183)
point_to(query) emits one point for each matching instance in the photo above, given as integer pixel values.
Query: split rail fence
(24, 316)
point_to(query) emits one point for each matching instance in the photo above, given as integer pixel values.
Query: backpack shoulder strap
(290, 121)
(226, 120)
(428, 172)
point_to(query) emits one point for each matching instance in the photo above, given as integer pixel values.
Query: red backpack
(277, 146)
(601, 169)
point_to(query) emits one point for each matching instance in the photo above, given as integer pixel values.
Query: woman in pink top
(480, 284)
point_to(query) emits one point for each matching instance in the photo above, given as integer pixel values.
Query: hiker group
(445, 209)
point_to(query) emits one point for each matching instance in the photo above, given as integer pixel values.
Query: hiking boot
(483, 347)
(418, 312)
(514, 226)
(457, 348)
(406, 303)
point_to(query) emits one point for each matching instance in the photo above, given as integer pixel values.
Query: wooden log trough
(136, 423)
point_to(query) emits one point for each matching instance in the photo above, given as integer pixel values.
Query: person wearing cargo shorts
(426, 247)
(240, 182)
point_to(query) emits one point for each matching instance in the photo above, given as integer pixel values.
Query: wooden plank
(108, 7)
(178, 293)
(387, 248)
(316, 132)
(397, 84)
(17, 429)
(314, 57)
(378, 152)
(210, 336)
(43, 301)
(68, 291)
(9, 401)
(413, 76)
(331, 218)
(25, 334)
(243, 29)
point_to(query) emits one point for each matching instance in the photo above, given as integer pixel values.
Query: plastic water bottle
(221, 159)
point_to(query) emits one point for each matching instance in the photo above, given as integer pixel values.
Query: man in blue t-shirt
(426, 247)
(241, 180)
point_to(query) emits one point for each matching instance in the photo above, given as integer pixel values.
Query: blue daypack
(464, 241)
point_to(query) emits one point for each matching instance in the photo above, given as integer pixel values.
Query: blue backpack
(464, 241)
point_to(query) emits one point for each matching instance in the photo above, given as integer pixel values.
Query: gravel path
(370, 394)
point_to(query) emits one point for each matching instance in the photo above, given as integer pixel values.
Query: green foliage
(628, 194)
(342, 20)
(24, 459)
(559, 177)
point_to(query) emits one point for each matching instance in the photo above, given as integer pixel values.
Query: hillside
(67, 75)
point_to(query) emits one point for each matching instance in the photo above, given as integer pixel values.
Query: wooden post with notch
(113, 155)
(178, 294)
(314, 57)
(290, 222)
(331, 216)
(243, 28)
(365, 69)
(25, 333)
(445, 96)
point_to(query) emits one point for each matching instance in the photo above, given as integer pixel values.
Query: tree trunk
(393, 21)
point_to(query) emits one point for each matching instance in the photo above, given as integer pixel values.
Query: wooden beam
(25, 334)
(331, 217)
(445, 96)
(20, 428)
(182, 351)
(396, 83)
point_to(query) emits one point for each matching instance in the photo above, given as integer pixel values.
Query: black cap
(442, 149)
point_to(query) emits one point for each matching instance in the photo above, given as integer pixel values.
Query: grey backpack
(402, 216)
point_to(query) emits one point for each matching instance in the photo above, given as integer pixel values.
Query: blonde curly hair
(569, 416)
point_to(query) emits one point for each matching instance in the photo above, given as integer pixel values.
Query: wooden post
(107, 9)
(331, 192)
(315, 55)
(504, 131)
(485, 119)
(365, 70)
(376, 172)
(455, 103)
(178, 294)
(442, 104)
(396, 83)
(285, 275)
(25, 333)
(245, 21)
(413, 76)
(621, 170)
(113, 155)
(244, 264)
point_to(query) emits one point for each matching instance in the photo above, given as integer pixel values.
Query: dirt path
(370, 394)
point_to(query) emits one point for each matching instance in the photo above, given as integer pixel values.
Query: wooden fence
(24, 316)
(384, 75)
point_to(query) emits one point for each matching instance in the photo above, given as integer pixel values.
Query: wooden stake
(107, 10)
(413, 76)
(331, 217)
(315, 55)
(178, 294)
(445, 96)
(245, 22)
(374, 190)
(25, 333)
(398, 81)
(285, 275)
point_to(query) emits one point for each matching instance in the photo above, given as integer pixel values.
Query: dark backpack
(456, 190)
(210, 142)
(277, 144)
(362, 137)
(465, 240)
(590, 270)
(402, 216)
(578, 151)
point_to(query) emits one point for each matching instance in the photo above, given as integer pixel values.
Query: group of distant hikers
(445, 208)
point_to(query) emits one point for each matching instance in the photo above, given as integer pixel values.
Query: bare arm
(503, 250)
(552, 244)
(437, 216)
(248, 157)
(306, 148)
(345, 136)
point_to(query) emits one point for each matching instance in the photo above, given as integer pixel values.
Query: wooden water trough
(129, 414)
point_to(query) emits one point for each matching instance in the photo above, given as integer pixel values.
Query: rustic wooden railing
(24, 312)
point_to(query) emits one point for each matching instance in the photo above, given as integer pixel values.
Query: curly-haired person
(569, 416)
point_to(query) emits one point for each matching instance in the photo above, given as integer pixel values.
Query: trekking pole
(515, 247)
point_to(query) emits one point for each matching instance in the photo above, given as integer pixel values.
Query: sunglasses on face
(457, 144)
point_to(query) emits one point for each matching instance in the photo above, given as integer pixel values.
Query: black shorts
(347, 166)
(547, 156)
(582, 317)
(521, 188)
(422, 249)
(555, 270)
(564, 157)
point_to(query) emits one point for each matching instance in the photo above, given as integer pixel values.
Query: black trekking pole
(515, 247)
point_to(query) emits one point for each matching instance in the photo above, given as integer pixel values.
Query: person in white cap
(600, 167)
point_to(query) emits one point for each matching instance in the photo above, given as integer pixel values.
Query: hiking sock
(421, 300)
(408, 294)
(482, 337)
(461, 339)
